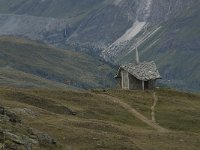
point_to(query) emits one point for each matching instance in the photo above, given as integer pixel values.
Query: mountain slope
(175, 48)
(49, 8)
(164, 30)
(11, 77)
(63, 66)
(173, 44)
(47, 20)
(98, 122)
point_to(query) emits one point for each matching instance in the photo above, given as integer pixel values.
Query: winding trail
(135, 113)
(155, 100)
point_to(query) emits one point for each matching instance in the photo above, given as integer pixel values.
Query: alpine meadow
(99, 74)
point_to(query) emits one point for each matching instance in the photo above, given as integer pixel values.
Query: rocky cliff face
(149, 18)
(49, 30)
(116, 22)
(102, 25)
(47, 20)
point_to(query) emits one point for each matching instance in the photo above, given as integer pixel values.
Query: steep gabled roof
(143, 71)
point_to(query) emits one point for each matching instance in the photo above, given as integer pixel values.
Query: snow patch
(130, 33)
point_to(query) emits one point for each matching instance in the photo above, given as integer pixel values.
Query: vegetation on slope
(99, 123)
(174, 110)
(16, 78)
(63, 66)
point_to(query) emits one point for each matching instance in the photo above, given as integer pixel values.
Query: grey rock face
(43, 20)
(150, 16)
(43, 138)
(97, 30)
(103, 27)
(163, 10)
(10, 138)
(10, 115)
(14, 138)
(37, 28)
(48, 8)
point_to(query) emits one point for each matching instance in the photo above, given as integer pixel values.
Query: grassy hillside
(22, 59)
(100, 123)
(13, 77)
(175, 110)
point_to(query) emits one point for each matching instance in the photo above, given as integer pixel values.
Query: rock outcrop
(10, 138)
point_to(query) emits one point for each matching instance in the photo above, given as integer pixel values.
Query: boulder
(13, 117)
(45, 139)
(2, 110)
(10, 146)
(15, 138)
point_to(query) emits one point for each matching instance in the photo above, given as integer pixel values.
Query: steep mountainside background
(166, 31)
(25, 63)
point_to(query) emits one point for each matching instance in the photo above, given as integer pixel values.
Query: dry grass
(100, 124)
